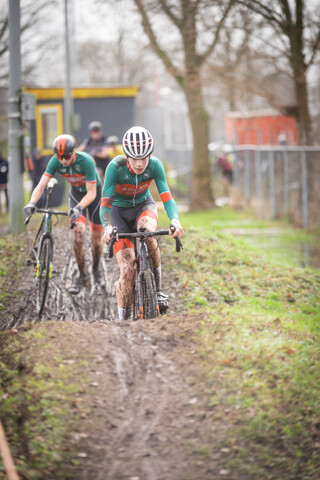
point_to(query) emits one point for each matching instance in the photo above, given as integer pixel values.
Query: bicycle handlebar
(114, 234)
(50, 211)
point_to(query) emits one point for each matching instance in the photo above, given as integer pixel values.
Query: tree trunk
(303, 115)
(201, 191)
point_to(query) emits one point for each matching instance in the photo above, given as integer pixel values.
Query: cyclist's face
(67, 159)
(138, 165)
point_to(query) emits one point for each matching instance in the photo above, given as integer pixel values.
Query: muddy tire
(147, 295)
(43, 272)
(135, 303)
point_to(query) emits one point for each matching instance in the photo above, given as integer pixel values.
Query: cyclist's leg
(148, 218)
(125, 258)
(96, 229)
(78, 242)
(124, 251)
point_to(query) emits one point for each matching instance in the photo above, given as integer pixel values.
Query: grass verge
(259, 342)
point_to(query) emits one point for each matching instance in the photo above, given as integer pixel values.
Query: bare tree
(36, 40)
(296, 37)
(198, 24)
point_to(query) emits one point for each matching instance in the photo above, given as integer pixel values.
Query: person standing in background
(4, 169)
(115, 148)
(97, 146)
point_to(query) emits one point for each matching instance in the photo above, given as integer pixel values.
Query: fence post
(286, 182)
(247, 176)
(304, 189)
(258, 180)
(272, 185)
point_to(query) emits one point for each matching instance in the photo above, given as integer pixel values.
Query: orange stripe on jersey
(47, 174)
(122, 244)
(106, 202)
(165, 196)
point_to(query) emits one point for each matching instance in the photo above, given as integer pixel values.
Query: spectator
(115, 148)
(4, 168)
(225, 164)
(97, 146)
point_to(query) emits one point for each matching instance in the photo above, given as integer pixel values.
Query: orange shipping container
(260, 128)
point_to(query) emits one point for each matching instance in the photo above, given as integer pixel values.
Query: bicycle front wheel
(43, 272)
(148, 301)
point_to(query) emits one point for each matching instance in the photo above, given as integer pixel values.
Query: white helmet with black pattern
(137, 142)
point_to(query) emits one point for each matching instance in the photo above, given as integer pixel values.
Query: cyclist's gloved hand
(74, 213)
(178, 228)
(107, 234)
(29, 209)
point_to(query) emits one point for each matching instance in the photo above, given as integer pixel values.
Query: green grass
(257, 336)
(12, 257)
(39, 395)
(259, 339)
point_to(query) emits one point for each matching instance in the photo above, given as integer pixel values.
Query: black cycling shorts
(126, 219)
(93, 209)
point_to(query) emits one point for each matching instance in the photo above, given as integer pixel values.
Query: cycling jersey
(123, 188)
(81, 171)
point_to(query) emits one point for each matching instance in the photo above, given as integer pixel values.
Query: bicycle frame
(42, 249)
(144, 281)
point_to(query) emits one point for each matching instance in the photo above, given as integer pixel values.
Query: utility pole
(68, 109)
(15, 157)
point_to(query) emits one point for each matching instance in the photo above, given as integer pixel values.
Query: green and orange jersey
(123, 188)
(81, 171)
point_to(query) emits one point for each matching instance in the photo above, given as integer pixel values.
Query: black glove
(29, 209)
(74, 213)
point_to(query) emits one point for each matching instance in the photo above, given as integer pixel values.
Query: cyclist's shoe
(77, 285)
(98, 278)
(163, 301)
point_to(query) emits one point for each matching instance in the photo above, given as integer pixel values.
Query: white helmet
(137, 142)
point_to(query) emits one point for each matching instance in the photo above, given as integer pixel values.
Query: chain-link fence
(278, 182)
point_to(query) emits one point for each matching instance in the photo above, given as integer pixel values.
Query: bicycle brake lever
(179, 245)
(27, 220)
(112, 242)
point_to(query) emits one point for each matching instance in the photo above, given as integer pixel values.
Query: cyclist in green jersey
(79, 170)
(127, 204)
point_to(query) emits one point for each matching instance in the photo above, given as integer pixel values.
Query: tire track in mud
(149, 417)
(91, 304)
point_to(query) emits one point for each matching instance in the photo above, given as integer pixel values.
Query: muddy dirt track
(148, 415)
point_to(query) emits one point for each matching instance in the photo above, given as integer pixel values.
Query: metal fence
(278, 181)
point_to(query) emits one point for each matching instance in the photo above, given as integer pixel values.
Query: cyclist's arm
(167, 200)
(164, 192)
(103, 153)
(82, 146)
(108, 190)
(89, 196)
(40, 188)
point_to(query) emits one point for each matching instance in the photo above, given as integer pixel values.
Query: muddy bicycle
(145, 300)
(41, 255)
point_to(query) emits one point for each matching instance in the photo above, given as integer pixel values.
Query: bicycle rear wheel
(148, 301)
(43, 272)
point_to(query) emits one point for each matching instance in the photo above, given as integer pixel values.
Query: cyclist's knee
(147, 222)
(79, 233)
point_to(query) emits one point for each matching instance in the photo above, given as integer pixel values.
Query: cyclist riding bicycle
(128, 205)
(79, 170)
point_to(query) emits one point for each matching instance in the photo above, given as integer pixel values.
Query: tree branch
(202, 58)
(172, 69)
